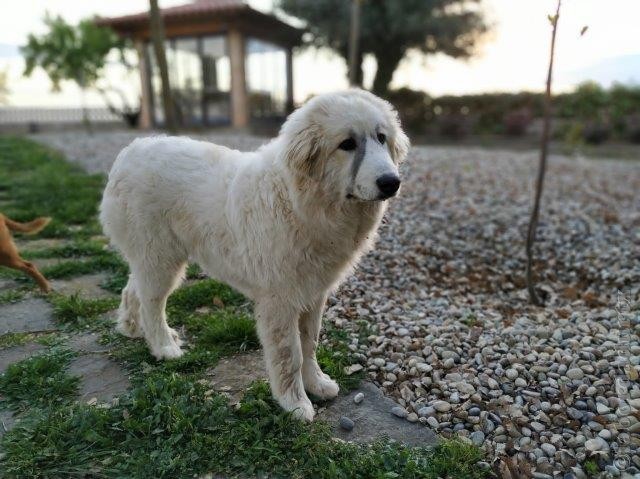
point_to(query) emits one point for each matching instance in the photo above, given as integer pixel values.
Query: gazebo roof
(208, 16)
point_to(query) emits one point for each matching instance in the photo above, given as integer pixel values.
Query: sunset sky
(513, 57)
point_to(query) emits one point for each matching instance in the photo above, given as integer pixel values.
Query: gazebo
(228, 63)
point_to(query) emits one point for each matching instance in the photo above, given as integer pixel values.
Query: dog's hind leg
(129, 312)
(315, 381)
(278, 330)
(154, 284)
(32, 271)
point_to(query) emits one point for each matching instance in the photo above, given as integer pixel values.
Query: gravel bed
(439, 316)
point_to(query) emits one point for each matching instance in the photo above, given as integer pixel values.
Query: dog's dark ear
(303, 153)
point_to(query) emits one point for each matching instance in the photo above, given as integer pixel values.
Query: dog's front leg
(315, 381)
(278, 330)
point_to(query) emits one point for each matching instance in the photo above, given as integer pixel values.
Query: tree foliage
(68, 52)
(390, 28)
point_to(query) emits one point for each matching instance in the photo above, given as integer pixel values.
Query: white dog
(283, 225)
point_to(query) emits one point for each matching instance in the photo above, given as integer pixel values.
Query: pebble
(597, 444)
(521, 383)
(548, 449)
(426, 411)
(346, 423)
(477, 437)
(358, 398)
(575, 373)
(442, 406)
(399, 411)
(432, 422)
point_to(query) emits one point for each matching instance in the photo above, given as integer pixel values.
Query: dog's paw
(168, 351)
(321, 386)
(129, 328)
(176, 337)
(302, 410)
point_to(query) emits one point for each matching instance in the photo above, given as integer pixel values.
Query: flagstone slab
(18, 353)
(33, 314)
(373, 419)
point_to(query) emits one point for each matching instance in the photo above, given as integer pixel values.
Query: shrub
(632, 128)
(413, 107)
(596, 132)
(516, 122)
(454, 125)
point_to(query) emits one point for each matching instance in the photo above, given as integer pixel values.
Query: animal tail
(30, 228)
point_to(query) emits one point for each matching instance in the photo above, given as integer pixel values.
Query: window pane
(216, 76)
(185, 73)
(266, 70)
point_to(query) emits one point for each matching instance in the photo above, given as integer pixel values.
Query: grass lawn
(170, 424)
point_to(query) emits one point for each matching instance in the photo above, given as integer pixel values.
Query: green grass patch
(117, 280)
(76, 249)
(39, 381)
(203, 293)
(9, 340)
(193, 271)
(471, 320)
(77, 312)
(10, 273)
(17, 339)
(591, 467)
(11, 296)
(336, 356)
(39, 182)
(233, 332)
(173, 427)
(96, 264)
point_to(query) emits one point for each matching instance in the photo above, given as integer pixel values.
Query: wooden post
(145, 121)
(239, 97)
(354, 43)
(157, 37)
(289, 105)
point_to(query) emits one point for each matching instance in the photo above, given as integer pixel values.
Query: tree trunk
(157, 38)
(357, 73)
(544, 147)
(387, 64)
(355, 57)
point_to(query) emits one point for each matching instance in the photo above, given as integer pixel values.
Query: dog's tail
(30, 228)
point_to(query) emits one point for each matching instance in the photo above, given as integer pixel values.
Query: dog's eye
(348, 145)
(382, 138)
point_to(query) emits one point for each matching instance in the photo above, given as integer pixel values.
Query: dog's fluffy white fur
(283, 225)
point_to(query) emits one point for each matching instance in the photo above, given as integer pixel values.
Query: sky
(512, 57)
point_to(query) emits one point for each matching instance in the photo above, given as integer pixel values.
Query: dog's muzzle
(388, 185)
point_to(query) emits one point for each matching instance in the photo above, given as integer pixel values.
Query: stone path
(102, 379)
(87, 286)
(372, 417)
(33, 314)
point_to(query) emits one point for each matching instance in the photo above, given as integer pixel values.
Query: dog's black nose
(388, 185)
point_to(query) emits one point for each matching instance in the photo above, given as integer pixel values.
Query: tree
(66, 52)
(157, 38)
(388, 29)
(544, 148)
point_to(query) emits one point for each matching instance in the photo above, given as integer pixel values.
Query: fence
(34, 119)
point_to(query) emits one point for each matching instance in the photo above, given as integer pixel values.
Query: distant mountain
(622, 69)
